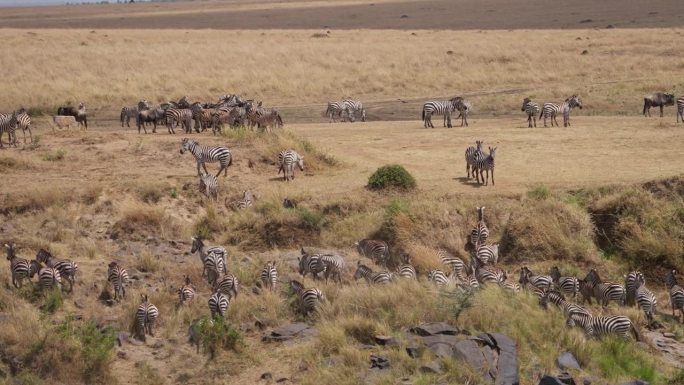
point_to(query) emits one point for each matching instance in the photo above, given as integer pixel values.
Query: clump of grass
(391, 176)
(96, 348)
(310, 218)
(215, 334)
(147, 263)
(39, 111)
(150, 193)
(54, 156)
(53, 301)
(34, 200)
(148, 375)
(35, 143)
(140, 219)
(209, 224)
(539, 193)
(617, 358)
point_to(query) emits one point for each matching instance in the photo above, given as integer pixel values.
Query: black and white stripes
(208, 154)
(676, 293)
(531, 109)
(680, 109)
(287, 159)
(146, 315)
(117, 276)
(218, 304)
(269, 275)
(551, 110)
(208, 185)
(365, 272)
(602, 326)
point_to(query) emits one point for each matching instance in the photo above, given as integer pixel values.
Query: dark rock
(491, 354)
(282, 379)
(561, 379)
(586, 21)
(567, 361)
(414, 351)
(434, 328)
(266, 376)
(121, 354)
(386, 341)
(610, 26)
(431, 367)
(158, 345)
(379, 362)
(404, 17)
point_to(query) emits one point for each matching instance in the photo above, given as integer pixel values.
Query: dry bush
(34, 200)
(138, 220)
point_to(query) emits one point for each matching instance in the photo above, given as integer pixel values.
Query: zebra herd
(347, 110)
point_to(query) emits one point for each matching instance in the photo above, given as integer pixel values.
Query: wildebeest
(77, 112)
(659, 99)
(154, 115)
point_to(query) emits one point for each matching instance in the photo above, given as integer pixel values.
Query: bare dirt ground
(382, 14)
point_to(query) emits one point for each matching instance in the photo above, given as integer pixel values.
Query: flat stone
(567, 361)
(289, 331)
(434, 328)
(386, 341)
(493, 355)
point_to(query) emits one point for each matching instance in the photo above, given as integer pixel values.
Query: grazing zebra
(363, 271)
(208, 154)
(355, 107)
(407, 270)
(543, 282)
(269, 275)
(228, 285)
(218, 304)
(488, 254)
(480, 233)
(464, 107)
(455, 263)
(676, 293)
(601, 326)
(569, 285)
(531, 109)
(556, 298)
(215, 267)
(471, 155)
(287, 159)
(202, 250)
(552, 109)
(128, 113)
(187, 291)
(146, 315)
(439, 277)
(646, 300)
(244, 202)
(48, 277)
(182, 116)
(308, 299)
(680, 108)
(310, 263)
(334, 266)
(333, 110)
(486, 163)
(67, 268)
(8, 124)
(376, 250)
(118, 277)
(444, 108)
(631, 284)
(208, 185)
(21, 268)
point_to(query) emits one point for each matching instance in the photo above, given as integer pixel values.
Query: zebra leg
(661, 110)
(492, 176)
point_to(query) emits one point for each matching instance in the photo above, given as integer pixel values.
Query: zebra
(214, 266)
(464, 107)
(680, 108)
(208, 154)
(308, 299)
(440, 108)
(488, 254)
(48, 277)
(264, 118)
(676, 293)
(201, 116)
(208, 185)
(552, 109)
(228, 285)
(187, 291)
(118, 277)
(269, 275)
(510, 286)
(486, 163)
(569, 285)
(334, 266)
(20, 268)
(8, 124)
(363, 271)
(310, 263)
(333, 110)
(128, 113)
(203, 251)
(531, 109)
(354, 107)
(480, 233)
(485, 274)
(601, 326)
(243, 203)
(471, 155)
(645, 299)
(218, 304)
(376, 250)
(543, 282)
(23, 122)
(287, 159)
(182, 116)
(407, 270)
(455, 263)
(67, 268)
(602, 291)
(556, 298)
(146, 315)
(631, 284)
(438, 277)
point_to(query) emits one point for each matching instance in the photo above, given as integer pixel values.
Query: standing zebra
(439, 277)
(631, 284)
(680, 108)
(202, 250)
(471, 156)
(407, 270)
(334, 266)
(543, 282)
(676, 293)
(557, 299)
(569, 285)
(182, 116)
(8, 124)
(376, 250)
(485, 274)
(287, 159)
(309, 263)
(218, 304)
(208, 185)
(488, 254)
(67, 268)
(208, 154)
(214, 266)
(19, 267)
(48, 277)
(187, 291)
(444, 108)
(363, 271)
(269, 275)
(355, 107)
(118, 277)
(334, 110)
(601, 326)
(480, 233)
(456, 264)
(146, 315)
(228, 285)
(486, 163)
(602, 291)
(531, 109)
(645, 299)
(464, 107)
(553, 109)
(308, 300)
(23, 122)
(128, 113)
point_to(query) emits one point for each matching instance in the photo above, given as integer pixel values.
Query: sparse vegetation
(392, 176)
(54, 156)
(215, 334)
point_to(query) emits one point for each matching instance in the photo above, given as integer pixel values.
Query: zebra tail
(423, 114)
(541, 114)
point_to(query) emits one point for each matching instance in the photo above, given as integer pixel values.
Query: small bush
(208, 225)
(391, 176)
(215, 333)
(96, 348)
(310, 218)
(539, 193)
(54, 156)
(147, 263)
(35, 143)
(53, 301)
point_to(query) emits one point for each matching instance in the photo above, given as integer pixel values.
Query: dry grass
(391, 65)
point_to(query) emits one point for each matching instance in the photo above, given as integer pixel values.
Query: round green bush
(390, 176)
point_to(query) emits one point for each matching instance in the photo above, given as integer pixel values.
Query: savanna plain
(605, 193)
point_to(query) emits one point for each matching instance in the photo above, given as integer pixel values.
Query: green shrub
(54, 156)
(215, 333)
(539, 193)
(96, 347)
(53, 301)
(311, 218)
(618, 358)
(391, 176)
